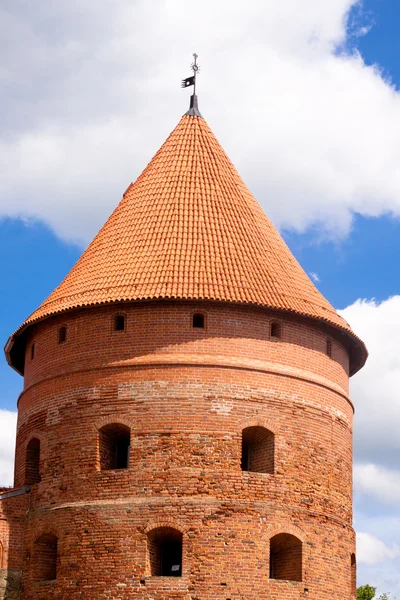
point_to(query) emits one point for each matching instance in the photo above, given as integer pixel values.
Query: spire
(191, 81)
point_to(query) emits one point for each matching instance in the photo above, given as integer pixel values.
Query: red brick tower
(185, 429)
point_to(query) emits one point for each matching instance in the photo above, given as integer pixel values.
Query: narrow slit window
(32, 351)
(198, 321)
(62, 335)
(114, 446)
(32, 462)
(119, 323)
(165, 552)
(329, 348)
(275, 330)
(353, 566)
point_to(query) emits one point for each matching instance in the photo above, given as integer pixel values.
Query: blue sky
(308, 110)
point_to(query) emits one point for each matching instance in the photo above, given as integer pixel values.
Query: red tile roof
(189, 228)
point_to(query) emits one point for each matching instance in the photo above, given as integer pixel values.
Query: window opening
(275, 330)
(198, 321)
(285, 560)
(32, 462)
(353, 566)
(119, 323)
(114, 446)
(32, 351)
(258, 450)
(329, 348)
(165, 552)
(45, 557)
(62, 335)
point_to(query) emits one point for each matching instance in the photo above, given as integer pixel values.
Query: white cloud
(371, 550)
(315, 277)
(378, 483)
(8, 422)
(375, 389)
(92, 89)
(375, 392)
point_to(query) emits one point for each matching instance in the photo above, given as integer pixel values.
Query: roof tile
(189, 228)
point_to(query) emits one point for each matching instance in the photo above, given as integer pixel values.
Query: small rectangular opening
(32, 351)
(198, 321)
(275, 330)
(329, 348)
(114, 446)
(119, 323)
(62, 335)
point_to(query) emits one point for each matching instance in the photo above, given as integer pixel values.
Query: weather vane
(192, 80)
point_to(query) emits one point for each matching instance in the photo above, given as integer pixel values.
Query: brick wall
(186, 396)
(12, 513)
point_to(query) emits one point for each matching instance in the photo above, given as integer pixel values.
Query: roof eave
(9, 350)
(357, 357)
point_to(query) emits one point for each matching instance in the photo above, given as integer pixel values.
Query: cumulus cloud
(375, 389)
(8, 422)
(375, 392)
(377, 482)
(91, 89)
(371, 550)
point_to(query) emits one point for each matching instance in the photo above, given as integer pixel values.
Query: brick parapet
(164, 328)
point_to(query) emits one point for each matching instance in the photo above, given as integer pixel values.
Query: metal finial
(191, 81)
(196, 69)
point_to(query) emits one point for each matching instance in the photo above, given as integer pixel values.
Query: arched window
(32, 462)
(353, 567)
(275, 330)
(164, 546)
(198, 321)
(62, 334)
(285, 559)
(119, 323)
(114, 445)
(258, 450)
(45, 557)
(329, 348)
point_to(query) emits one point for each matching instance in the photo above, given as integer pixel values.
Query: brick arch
(46, 530)
(156, 523)
(258, 422)
(33, 434)
(283, 527)
(110, 419)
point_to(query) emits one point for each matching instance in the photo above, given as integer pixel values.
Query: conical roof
(189, 228)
